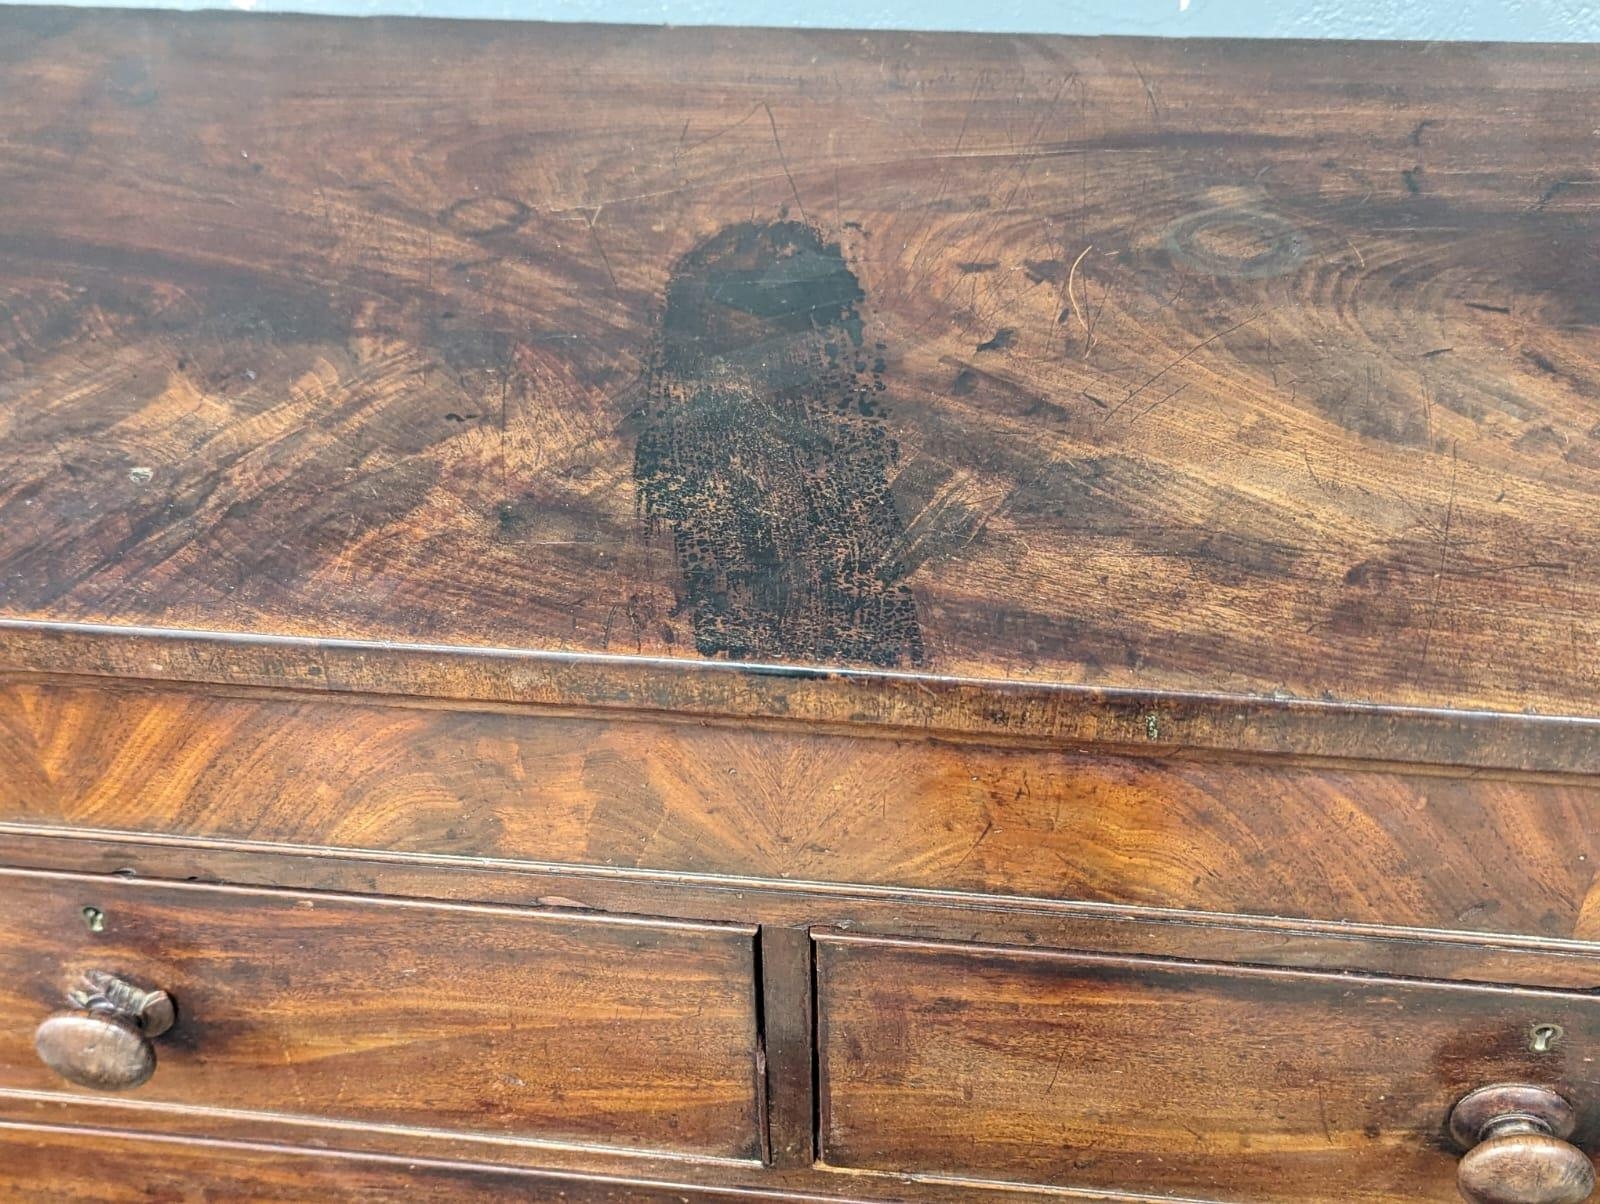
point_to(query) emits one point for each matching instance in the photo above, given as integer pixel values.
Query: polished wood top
(1257, 369)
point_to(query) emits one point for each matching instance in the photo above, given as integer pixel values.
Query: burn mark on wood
(1002, 339)
(1045, 271)
(1421, 128)
(764, 453)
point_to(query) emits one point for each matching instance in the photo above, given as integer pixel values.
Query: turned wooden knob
(104, 1042)
(1516, 1152)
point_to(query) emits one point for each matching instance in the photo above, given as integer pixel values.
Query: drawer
(1469, 852)
(44, 1165)
(1170, 1078)
(514, 1024)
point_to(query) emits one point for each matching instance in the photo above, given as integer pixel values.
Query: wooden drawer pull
(1514, 1135)
(104, 1042)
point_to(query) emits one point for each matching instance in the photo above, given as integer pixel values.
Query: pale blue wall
(1504, 20)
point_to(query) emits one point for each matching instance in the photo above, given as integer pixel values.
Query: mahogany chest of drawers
(659, 615)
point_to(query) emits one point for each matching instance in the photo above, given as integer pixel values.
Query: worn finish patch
(1247, 244)
(765, 454)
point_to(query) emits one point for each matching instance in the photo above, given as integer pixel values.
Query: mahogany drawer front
(45, 1165)
(487, 1020)
(1171, 1078)
(1509, 854)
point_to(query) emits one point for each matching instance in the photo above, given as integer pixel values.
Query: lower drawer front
(513, 1023)
(1161, 1077)
(42, 1165)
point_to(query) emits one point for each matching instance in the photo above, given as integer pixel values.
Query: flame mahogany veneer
(643, 615)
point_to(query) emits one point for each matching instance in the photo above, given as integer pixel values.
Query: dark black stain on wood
(1045, 271)
(764, 452)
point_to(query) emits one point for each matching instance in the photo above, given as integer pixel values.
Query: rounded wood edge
(998, 711)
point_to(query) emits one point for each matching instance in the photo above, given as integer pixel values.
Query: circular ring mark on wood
(478, 216)
(1245, 243)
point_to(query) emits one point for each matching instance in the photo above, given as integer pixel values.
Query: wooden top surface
(1262, 369)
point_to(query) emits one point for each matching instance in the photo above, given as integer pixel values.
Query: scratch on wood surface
(1201, 345)
(1055, 1075)
(1072, 296)
(1444, 562)
(727, 129)
(1168, 396)
(784, 160)
(1149, 91)
(593, 221)
(961, 134)
(1315, 480)
(988, 827)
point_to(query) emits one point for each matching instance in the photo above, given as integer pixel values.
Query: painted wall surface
(1471, 20)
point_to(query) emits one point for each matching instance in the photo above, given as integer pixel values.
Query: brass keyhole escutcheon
(1543, 1038)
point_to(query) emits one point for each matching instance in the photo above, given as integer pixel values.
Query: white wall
(1508, 20)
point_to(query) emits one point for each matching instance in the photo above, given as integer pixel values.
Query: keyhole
(94, 919)
(1544, 1037)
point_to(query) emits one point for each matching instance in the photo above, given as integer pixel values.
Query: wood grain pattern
(1014, 712)
(1024, 923)
(1051, 392)
(502, 1023)
(56, 1165)
(78, 1163)
(67, 1166)
(787, 1045)
(1514, 855)
(1172, 1078)
(353, 330)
